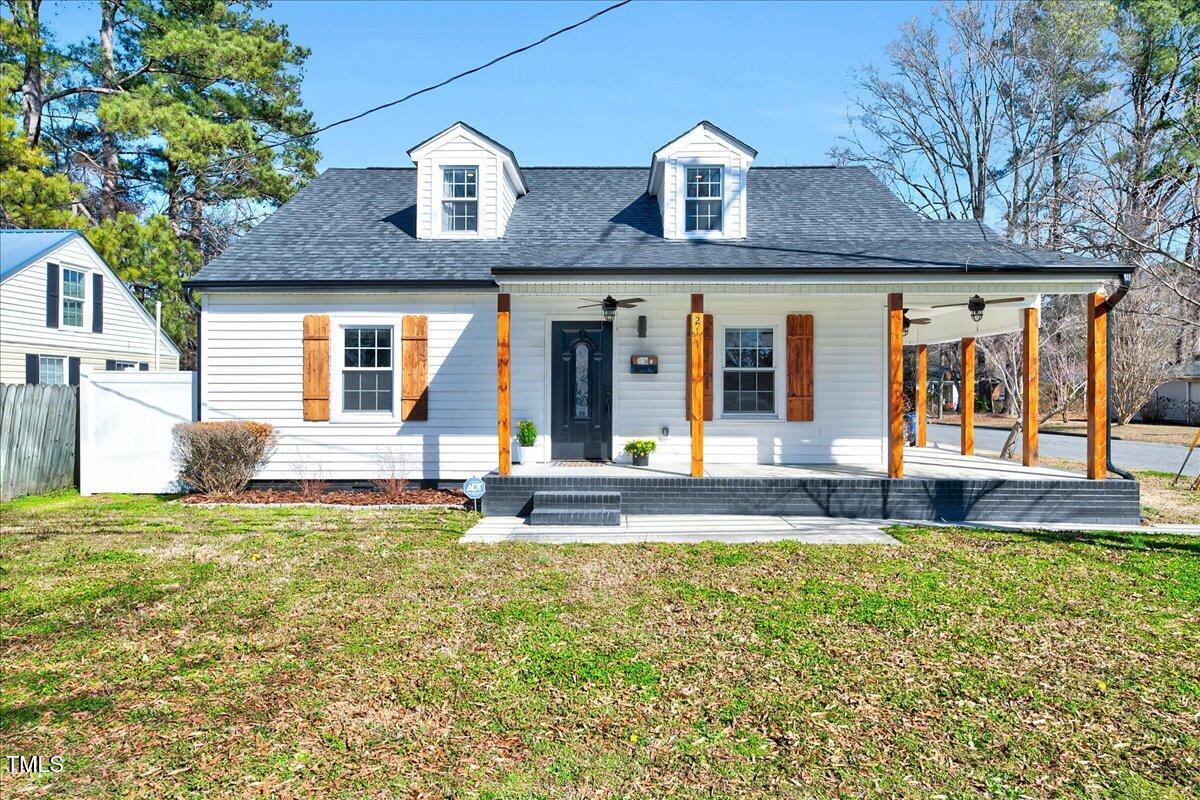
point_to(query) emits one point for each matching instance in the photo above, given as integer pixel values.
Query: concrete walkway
(685, 528)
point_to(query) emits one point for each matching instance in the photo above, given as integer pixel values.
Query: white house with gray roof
(747, 319)
(62, 307)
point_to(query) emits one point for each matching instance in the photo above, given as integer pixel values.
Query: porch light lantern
(608, 308)
(976, 305)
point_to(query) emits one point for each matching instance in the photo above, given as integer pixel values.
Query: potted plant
(640, 449)
(526, 439)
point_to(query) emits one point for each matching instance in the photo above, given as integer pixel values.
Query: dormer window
(704, 199)
(460, 199)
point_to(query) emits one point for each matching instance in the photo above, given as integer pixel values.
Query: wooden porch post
(1029, 390)
(1097, 386)
(895, 343)
(967, 428)
(922, 381)
(503, 397)
(696, 389)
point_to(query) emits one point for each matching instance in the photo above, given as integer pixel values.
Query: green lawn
(176, 651)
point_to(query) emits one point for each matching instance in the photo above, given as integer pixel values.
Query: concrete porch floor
(934, 461)
(684, 529)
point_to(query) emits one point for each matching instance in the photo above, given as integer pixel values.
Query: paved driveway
(1130, 455)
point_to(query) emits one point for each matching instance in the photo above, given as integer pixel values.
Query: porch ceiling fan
(977, 304)
(608, 306)
(919, 321)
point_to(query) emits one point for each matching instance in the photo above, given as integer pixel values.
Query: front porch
(940, 485)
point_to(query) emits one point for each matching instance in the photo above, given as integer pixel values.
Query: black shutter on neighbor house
(31, 368)
(97, 303)
(73, 371)
(144, 367)
(109, 365)
(52, 296)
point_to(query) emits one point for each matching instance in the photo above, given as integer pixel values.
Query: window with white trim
(124, 366)
(52, 370)
(702, 209)
(460, 199)
(74, 292)
(749, 371)
(367, 376)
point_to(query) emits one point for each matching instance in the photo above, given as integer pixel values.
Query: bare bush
(221, 457)
(1191, 412)
(310, 478)
(394, 468)
(1156, 410)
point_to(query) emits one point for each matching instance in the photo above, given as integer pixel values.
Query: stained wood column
(1097, 386)
(895, 343)
(922, 383)
(1029, 390)
(967, 401)
(696, 376)
(503, 393)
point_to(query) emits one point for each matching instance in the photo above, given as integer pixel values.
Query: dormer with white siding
(699, 180)
(467, 185)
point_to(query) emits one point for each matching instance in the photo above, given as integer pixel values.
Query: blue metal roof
(21, 247)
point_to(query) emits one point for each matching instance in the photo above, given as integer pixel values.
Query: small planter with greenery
(640, 449)
(527, 434)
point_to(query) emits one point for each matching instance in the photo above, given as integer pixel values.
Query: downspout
(196, 308)
(1109, 305)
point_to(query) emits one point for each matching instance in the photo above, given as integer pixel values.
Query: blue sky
(773, 74)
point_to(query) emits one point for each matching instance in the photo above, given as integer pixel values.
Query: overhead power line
(454, 78)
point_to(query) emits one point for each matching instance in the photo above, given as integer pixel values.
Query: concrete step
(607, 517)
(577, 499)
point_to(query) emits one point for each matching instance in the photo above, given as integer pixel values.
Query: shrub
(1156, 409)
(221, 457)
(1191, 412)
(640, 447)
(526, 433)
(394, 467)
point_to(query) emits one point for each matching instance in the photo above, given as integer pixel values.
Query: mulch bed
(410, 497)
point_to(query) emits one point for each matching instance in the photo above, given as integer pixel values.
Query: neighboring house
(1182, 395)
(62, 307)
(413, 316)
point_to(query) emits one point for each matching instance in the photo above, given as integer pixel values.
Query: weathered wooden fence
(37, 438)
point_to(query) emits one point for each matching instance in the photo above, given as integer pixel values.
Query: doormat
(577, 463)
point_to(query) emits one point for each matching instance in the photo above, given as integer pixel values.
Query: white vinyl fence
(125, 421)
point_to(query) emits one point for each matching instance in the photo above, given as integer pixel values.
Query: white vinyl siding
(848, 362)
(253, 360)
(252, 363)
(127, 335)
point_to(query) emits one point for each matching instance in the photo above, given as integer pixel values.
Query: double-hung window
(73, 295)
(702, 210)
(460, 199)
(749, 372)
(52, 370)
(367, 369)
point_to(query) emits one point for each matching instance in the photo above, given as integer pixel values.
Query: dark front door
(581, 390)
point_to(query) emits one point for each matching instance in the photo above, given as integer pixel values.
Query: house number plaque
(643, 365)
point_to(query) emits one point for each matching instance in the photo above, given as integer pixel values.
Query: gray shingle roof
(359, 225)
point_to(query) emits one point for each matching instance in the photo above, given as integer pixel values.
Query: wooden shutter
(414, 375)
(32, 368)
(98, 303)
(316, 367)
(708, 369)
(73, 371)
(799, 367)
(52, 295)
